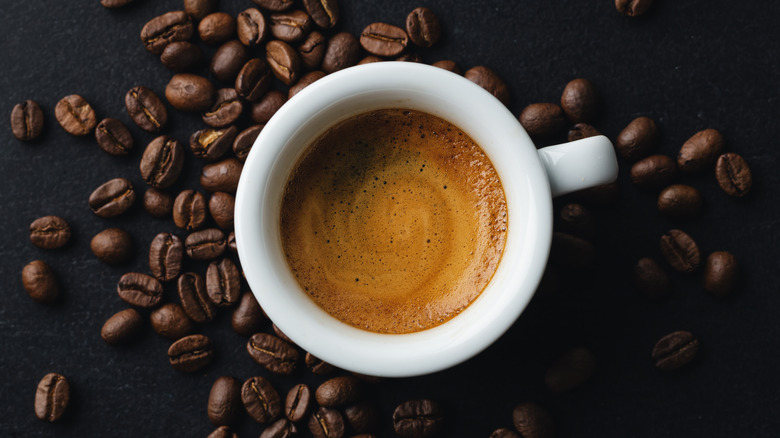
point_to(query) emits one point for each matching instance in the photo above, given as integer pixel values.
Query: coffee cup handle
(579, 164)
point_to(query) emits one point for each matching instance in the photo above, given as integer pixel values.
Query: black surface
(687, 64)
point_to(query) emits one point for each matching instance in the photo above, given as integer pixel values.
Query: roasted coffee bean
(122, 328)
(653, 172)
(418, 418)
(283, 61)
(158, 204)
(317, 366)
(190, 353)
(170, 321)
(362, 417)
(182, 56)
(221, 176)
(680, 251)
(231, 242)
(504, 432)
(570, 370)
(339, 391)
(632, 8)
(52, 397)
(281, 428)
(720, 273)
(582, 130)
(49, 232)
(112, 198)
(305, 81)
(165, 29)
(675, 350)
(197, 9)
(700, 151)
(651, 279)
(604, 194)
(276, 355)
(680, 202)
(194, 299)
(248, 318)
(312, 50)
(275, 5)
(578, 221)
(733, 175)
(113, 246)
(139, 290)
(228, 60)
(216, 28)
(188, 92)
(543, 120)
(224, 405)
(223, 283)
(290, 27)
(115, 3)
(325, 13)
(261, 400)
(40, 282)
(571, 251)
(298, 402)
(252, 27)
(580, 101)
(205, 244)
(212, 143)
(113, 137)
(254, 79)
(423, 27)
(221, 206)
(75, 115)
(263, 110)
(165, 256)
(245, 140)
(162, 162)
(281, 334)
(326, 423)
(409, 57)
(370, 59)
(448, 65)
(146, 109)
(638, 139)
(223, 432)
(383, 39)
(533, 421)
(27, 120)
(342, 51)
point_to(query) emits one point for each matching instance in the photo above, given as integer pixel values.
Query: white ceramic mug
(530, 178)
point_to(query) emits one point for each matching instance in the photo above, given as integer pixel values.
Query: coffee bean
(254, 79)
(190, 353)
(675, 350)
(40, 282)
(165, 29)
(122, 328)
(261, 400)
(651, 279)
(342, 51)
(632, 8)
(112, 198)
(275, 5)
(700, 151)
(158, 204)
(317, 366)
(409, 57)
(733, 175)
(489, 80)
(370, 59)
(248, 318)
(362, 417)
(504, 432)
(245, 140)
(75, 115)
(223, 432)
(383, 39)
(216, 28)
(680, 251)
(263, 110)
(581, 101)
(571, 252)
(52, 397)
(570, 370)
(113, 246)
(224, 405)
(582, 130)
(281, 428)
(139, 290)
(326, 423)
(211, 144)
(223, 283)
(170, 321)
(543, 120)
(228, 60)
(221, 176)
(205, 244)
(680, 202)
(290, 27)
(298, 402)
(533, 421)
(578, 221)
(162, 162)
(194, 299)
(281, 335)
(276, 355)
(115, 3)
(720, 273)
(113, 137)
(448, 65)
(146, 109)
(221, 206)
(312, 50)
(653, 172)
(26, 120)
(252, 28)
(165, 255)
(325, 13)
(227, 108)
(283, 61)
(188, 92)
(339, 391)
(49, 232)
(231, 242)
(638, 139)
(182, 56)
(423, 27)
(418, 418)
(305, 81)
(197, 9)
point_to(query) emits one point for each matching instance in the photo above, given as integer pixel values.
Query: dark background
(689, 65)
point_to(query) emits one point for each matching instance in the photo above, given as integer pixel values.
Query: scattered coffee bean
(49, 232)
(638, 139)
(281, 334)
(227, 108)
(720, 273)
(342, 51)
(423, 27)
(122, 328)
(578, 221)
(162, 162)
(362, 417)
(680, 251)
(632, 8)
(231, 242)
(276, 355)
(26, 120)
(113, 246)
(165, 255)
(325, 13)
(115, 3)
(248, 318)
(146, 109)
(254, 79)
(188, 92)
(733, 175)
(112, 198)
(680, 202)
(221, 176)
(40, 282)
(290, 27)
(582, 130)
(194, 299)
(326, 423)
(653, 172)
(504, 432)
(139, 290)
(305, 81)
(158, 204)
(339, 391)
(581, 101)
(223, 432)
(317, 366)
(283, 61)
(52, 397)
(190, 353)
(211, 144)
(223, 283)
(543, 120)
(205, 244)
(113, 137)
(409, 57)
(651, 279)
(170, 321)
(418, 418)
(252, 28)
(75, 115)
(675, 350)
(369, 59)
(263, 110)
(197, 9)
(245, 140)
(261, 400)
(383, 39)
(167, 28)
(700, 151)
(216, 28)
(448, 65)
(571, 252)
(182, 56)
(570, 370)
(489, 80)
(275, 5)
(228, 60)
(281, 428)
(298, 402)
(221, 206)
(312, 50)
(533, 421)
(224, 405)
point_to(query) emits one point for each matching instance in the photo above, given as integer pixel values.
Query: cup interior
(365, 88)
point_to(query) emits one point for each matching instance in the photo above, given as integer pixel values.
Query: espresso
(393, 221)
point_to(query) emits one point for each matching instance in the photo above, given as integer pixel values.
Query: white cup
(530, 178)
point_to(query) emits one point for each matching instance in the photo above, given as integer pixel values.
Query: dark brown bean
(325, 13)
(418, 418)
(157, 203)
(326, 423)
(370, 59)
(312, 50)
(165, 29)
(170, 321)
(653, 172)
(248, 318)
(339, 391)
(122, 328)
(146, 109)
(577, 220)
(188, 92)
(274, 5)
(570, 370)
(223, 432)
(205, 244)
(281, 428)
(581, 101)
(543, 120)
(115, 3)
(165, 256)
(675, 350)
(680, 251)
(40, 282)
(189, 210)
(49, 232)
(113, 137)
(733, 175)
(261, 400)
(582, 130)
(162, 162)
(423, 27)
(197, 9)
(383, 39)
(112, 198)
(342, 51)
(182, 56)
(489, 80)
(651, 279)
(504, 432)
(26, 120)
(113, 246)
(52, 397)
(680, 202)
(245, 140)
(700, 151)
(75, 115)
(216, 28)
(263, 110)
(224, 405)
(194, 299)
(290, 27)
(227, 108)
(571, 251)
(221, 176)
(139, 290)
(276, 355)
(720, 273)
(231, 242)
(533, 421)
(633, 8)
(638, 139)
(252, 28)
(362, 417)
(283, 61)
(254, 79)
(281, 334)
(298, 402)
(223, 283)
(305, 81)
(190, 353)
(448, 65)
(317, 366)
(211, 144)
(228, 60)
(409, 57)
(221, 207)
